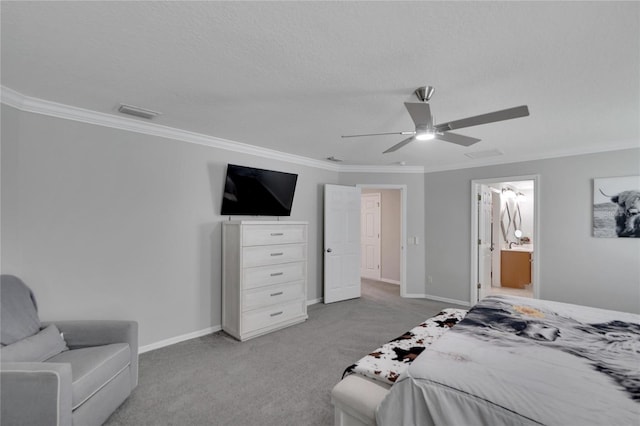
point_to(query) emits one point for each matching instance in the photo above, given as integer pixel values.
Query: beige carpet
(283, 378)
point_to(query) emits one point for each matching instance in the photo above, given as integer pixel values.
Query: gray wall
(104, 223)
(575, 267)
(415, 219)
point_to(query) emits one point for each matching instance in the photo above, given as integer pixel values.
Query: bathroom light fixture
(508, 192)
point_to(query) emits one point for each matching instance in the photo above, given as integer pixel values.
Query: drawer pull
(277, 294)
(277, 234)
(275, 274)
(275, 314)
(277, 254)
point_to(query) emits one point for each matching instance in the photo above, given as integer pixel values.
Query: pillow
(37, 348)
(18, 310)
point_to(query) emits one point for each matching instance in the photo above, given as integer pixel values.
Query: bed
(511, 361)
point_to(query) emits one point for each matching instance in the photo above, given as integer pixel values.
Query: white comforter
(516, 361)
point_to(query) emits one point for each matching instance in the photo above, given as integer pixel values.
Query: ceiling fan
(420, 113)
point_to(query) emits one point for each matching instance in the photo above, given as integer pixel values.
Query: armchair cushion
(82, 334)
(92, 368)
(18, 311)
(36, 348)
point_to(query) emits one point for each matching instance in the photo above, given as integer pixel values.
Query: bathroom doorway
(505, 237)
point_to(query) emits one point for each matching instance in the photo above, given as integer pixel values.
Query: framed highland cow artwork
(616, 207)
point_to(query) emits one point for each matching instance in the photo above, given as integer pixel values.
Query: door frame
(482, 242)
(535, 258)
(403, 229)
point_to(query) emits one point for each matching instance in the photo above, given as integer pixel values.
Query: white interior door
(341, 243)
(484, 241)
(370, 236)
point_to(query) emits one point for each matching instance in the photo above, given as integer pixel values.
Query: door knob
(329, 250)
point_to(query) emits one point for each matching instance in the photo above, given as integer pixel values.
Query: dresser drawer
(268, 317)
(275, 294)
(262, 276)
(259, 235)
(270, 255)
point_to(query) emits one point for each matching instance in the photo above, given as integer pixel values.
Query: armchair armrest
(82, 334)
(35, 393)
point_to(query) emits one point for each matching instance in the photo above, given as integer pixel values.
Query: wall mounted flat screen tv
(257, 192)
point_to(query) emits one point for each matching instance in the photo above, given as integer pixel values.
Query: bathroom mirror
(518, 233)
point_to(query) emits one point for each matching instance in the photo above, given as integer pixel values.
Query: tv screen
(257, 192)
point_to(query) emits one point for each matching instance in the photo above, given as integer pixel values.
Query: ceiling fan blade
(399, 145)
(420, 113)
(505, 114)
(377, 134)
(457, 139)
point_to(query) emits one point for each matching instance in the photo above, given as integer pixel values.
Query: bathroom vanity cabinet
(515, 268)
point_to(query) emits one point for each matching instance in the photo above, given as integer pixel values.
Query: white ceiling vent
(484, 154)
(138, 112)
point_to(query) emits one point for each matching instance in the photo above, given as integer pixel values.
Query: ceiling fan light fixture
(426, 136)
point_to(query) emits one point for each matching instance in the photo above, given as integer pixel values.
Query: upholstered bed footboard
(355, 400)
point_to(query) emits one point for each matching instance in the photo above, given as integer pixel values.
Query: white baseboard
(193, 335)
(314, 301)
(436, 298)
(178, 339)
(447, 300)
(386, 280)
(414, 296)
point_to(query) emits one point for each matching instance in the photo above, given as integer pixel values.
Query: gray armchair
(62, 373)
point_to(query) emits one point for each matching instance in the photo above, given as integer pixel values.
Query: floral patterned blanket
(386, 363)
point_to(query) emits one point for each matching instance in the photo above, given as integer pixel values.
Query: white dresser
(264, 276)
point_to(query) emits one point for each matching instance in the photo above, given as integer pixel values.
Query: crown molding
(34, 105)
(614, 146)
(346, 168)
(53, 109)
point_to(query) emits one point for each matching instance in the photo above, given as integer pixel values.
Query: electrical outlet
(430, 278)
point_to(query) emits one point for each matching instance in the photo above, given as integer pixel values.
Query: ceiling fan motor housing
(424, 93)
(424, 128)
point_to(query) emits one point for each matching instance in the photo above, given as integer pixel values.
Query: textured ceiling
(294, 76)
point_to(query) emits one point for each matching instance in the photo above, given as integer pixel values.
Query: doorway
(505, 231)
(370, 238)
(383, 235)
